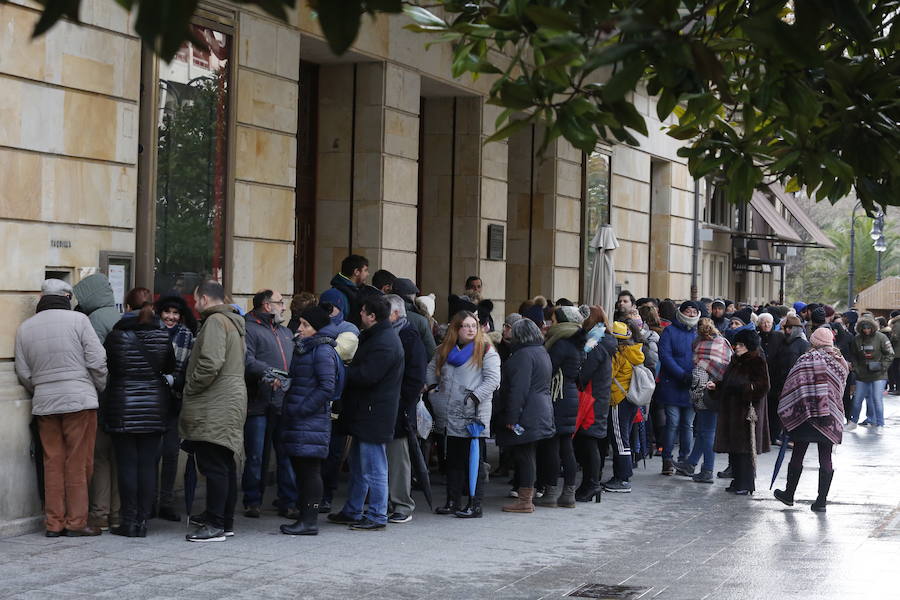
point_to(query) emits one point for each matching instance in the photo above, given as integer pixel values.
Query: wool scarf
(53, 302)
(689, 322)
(460, 356)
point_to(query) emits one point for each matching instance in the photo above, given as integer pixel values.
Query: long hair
(450, 338)
(650, 316)
(706, 329)
(141, 299)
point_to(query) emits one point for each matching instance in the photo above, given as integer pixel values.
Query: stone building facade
(266, 160)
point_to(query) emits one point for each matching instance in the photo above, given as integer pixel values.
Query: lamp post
(851, 274)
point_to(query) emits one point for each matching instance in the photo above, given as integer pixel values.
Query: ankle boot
(126, 529)
(551, 493)
(142, 529)
(592, 490)
(824, 486)
(523, 503)
(793, 478)
(449, 508)
(307, 524)
(567, 498)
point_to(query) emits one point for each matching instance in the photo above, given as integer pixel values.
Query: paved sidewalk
(671, 539)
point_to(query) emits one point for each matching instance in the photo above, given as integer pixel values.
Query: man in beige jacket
(60, 361)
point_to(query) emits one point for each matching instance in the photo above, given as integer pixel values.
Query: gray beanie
(55, 287)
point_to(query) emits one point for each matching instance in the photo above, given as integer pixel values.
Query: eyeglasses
(278, 302)
(468, 326)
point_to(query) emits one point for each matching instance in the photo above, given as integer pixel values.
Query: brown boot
(523, 503)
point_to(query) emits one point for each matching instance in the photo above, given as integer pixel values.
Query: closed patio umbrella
(602, 284)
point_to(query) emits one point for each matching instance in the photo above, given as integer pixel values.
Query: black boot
(793, 478)
(126, 529)
(824, 486)
(471, 511)
(591, 491)
(449, 508)
(307, 524)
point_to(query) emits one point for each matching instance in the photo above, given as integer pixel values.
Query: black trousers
(458, 449)
(742, 470)
(553, 452)
(216, 463)
(590, 453)
(331, 466)
(525, 459)
(168, 468)
(137, 455)
(308, 473)
(848, 395)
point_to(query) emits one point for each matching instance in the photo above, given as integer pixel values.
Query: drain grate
(608, 592)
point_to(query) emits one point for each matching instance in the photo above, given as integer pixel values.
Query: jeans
(368, 475)
(260, 431)
(137, 455)
(706, 437)
(331, 467)
(216, 463)
(873, 393)
(679, 419)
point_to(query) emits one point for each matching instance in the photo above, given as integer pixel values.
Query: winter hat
(621, 331)
(511, 319)
(719, 302)
(792, 321)
(689, 304)
(851, 317)
(485, 308)
(55, 287)
(818, 316)
(895, 313)
(823, 336)
(748, 338)
(829, 311)
(743, 315)
(799, 306)
(568, 314)
(585, 311)
(461, 303)
(427, 302)
(404, 287)
(536, 314)
(316, 317)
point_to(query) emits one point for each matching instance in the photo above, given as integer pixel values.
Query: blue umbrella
(474, 428)
(785, 439)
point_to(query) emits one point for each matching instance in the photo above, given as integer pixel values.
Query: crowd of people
(364, 374)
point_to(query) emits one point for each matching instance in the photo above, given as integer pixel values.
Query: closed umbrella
(419, 466)
(781, 452)
(602, 288)
(190, 479)
(474, 428)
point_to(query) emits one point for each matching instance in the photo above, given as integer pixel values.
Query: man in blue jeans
(676, 358)
(371, 401)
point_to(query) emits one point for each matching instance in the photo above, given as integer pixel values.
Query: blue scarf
(460, 356)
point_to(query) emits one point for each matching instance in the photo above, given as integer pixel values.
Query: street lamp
(880, 247)
(878, 242)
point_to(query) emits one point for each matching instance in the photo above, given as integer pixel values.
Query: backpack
(642, 386)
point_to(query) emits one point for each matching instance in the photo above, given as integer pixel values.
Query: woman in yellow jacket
(621, 411)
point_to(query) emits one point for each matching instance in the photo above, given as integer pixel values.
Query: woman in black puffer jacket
(565, 344)
(136, 404)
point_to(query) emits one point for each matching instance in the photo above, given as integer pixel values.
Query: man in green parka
(215, 407)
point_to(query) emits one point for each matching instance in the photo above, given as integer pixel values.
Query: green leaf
(629, 116)
(549, 17)
(609, 55)
(418, 14)
(665, 104)
(517, 94)
(624, 81)
(54, 10)
(508, 129)
(785, 161)
(793, 185)
(340, 23)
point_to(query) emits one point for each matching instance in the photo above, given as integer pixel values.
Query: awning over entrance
(780, 227)
(820, 240)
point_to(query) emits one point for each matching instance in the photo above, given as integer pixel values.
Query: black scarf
(53, 302)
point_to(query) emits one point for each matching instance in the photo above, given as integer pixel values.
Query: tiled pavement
(671, 538)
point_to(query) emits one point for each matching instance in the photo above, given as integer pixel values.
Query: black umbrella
(785, 439)
(190, 479)
(37, 454)
(419, 466)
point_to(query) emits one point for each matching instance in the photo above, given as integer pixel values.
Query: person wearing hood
(346, 287)
(407, 290)
(400, 502)
(780, 359)
(676, 357)
(317, 376)
(214, 409)
(178, 320)
(525, 409)
(269, 346)
(811, 410)
(743, 388)
(628, 354)
(894, 335)
(717, 314)
(565, 345)
(136, 406)
(739, 321)
(871, 355)
(593, 414)
(60, 361)
(462, 378)
(96, 300)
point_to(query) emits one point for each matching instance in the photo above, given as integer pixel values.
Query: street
(670, 539)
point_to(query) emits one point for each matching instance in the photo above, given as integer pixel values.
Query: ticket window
(66, 274)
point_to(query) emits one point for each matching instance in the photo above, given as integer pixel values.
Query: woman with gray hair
(525, 411)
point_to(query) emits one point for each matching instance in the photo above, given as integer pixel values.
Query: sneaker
(615, 485)
(865, 423)
(850, 426)
(291, 514)
(324, 507)
(367, 524)
(684, 468)
(726, 474)
(340, 518)
(513, 493)
(200, 521)
(99, 523)
(537, 494)
(399, 518)
(703, 477)
(668, 467)
(206, 534)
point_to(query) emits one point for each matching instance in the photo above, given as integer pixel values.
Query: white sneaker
(879, 430)
(850, 426)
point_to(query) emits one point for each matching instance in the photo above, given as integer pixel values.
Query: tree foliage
(803, 91)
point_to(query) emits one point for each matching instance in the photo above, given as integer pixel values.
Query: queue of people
(357, 370)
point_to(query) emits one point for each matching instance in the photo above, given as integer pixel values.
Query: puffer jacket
(268, 346)
(676, 359)
(96, 300)
(650, 349)
(415, 365)
(597, 370)
(60, 360)
(623, 362)
(451, 411)
(524, 396)
(566, 357)
(791, 348)
(306, 415)
(875, 348)
(137, 400)
(214, 407)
